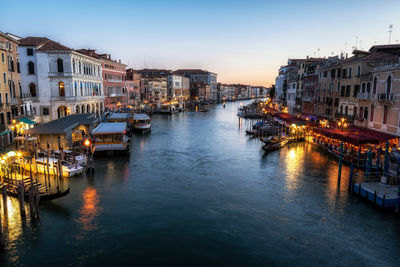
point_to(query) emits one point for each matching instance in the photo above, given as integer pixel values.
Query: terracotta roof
(43, 44)
(33, 41)
(53, 46)
(191, 71)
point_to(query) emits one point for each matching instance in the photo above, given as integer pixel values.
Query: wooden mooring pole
(340, 161)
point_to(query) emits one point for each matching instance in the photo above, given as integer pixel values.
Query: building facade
(60, 80)
(178, 87)
(132, 84)
(198, 76)
(114, 75)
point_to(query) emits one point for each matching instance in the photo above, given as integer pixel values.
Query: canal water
(198, 191)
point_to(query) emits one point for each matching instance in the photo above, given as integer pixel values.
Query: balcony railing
(385, 97)
(74, 98)
(364, 96)
(115, 94)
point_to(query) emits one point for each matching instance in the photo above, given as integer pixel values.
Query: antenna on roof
(345, 47)
(390, 31)
(361, 45)
(318, 51)
(355, 47)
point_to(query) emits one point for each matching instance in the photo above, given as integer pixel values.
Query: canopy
(26, 120)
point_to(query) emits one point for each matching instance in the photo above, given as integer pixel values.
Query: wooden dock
(383, 195)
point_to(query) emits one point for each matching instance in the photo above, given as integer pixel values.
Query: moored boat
(141, 122)
(275, 145)
(110, 137)
(50, 166)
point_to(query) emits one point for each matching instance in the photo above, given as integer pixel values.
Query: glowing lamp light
(19, 154)
(339, 123)
(14, 121)
(2, 161)
(11, 154)
(86, 142)
(345, 125)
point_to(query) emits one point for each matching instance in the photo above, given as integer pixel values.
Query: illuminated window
(61, 89)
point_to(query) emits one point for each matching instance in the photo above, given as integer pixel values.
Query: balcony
(385, 97)
(115, 94)
(114, 81)
(364, 96)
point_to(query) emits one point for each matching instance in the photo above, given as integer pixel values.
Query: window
(372, 113)
(60, 65)
(368, 87)
(358, 71)
(31, 68)
(46, 111)
(18, 68)
(375, 85)
(366, 113)
(349, 72)
(348, 89)
(29, 52)
(356, 89)
(363, 88)
(355, 111)
(73, 65)
(385, 114)
(2, 57)
(61, 89)
(361, 112)
(389, 84)
(80, 68)
(32, 89)
(4, 78)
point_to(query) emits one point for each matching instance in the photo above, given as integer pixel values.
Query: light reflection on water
(89, 212)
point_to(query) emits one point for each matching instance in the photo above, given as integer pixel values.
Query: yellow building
(5, 110)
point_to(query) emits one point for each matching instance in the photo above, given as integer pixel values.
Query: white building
(202, 76)
(60, 80)
(178, 87)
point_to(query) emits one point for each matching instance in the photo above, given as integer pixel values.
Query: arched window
(31, 68)
(361, 112)
(77, 109)
(61, 89)
(355, 111)
(73, 66)
(389, 84)
(341, 109)
(363, 88)
(82, 91)
(60, 65)
(366, 113)
(32, 89)
(346, 110)
(368, 87)
(75, 89)
(80, 68)
(88, 108)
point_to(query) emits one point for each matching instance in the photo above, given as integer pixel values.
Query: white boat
(72, 157)
(40, 166)
(141, 122)
(111, 136)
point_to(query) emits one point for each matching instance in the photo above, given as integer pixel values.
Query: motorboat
(141, 122)
(50, 166)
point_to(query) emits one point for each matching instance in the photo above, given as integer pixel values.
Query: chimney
(307, 57)
(346, 55)
(119, 61)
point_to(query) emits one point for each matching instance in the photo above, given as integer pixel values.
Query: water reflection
(89, 211)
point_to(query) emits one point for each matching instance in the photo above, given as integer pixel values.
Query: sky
(242, 41)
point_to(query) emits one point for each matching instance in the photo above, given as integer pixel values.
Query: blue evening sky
(242, 41)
